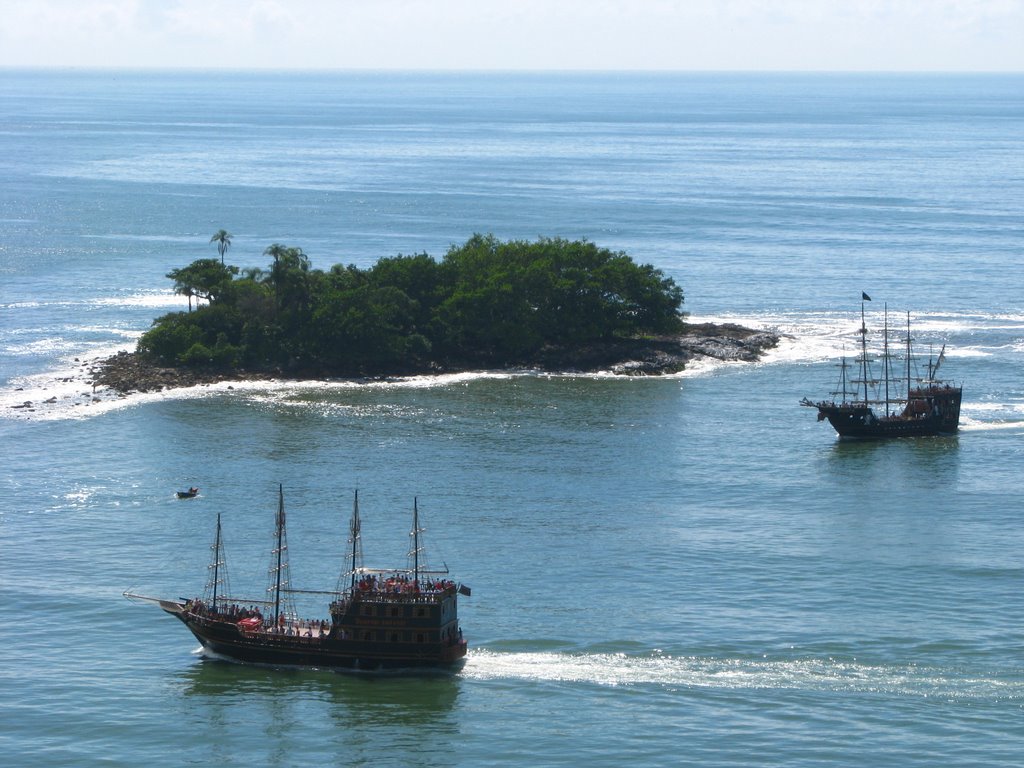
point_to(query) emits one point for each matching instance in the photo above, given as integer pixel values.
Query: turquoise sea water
(677, 571)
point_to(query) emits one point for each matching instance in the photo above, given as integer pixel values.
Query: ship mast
(279, 551)
(887, 359)
(843, 380)
(216, 564)
(416, 542)
(356, 554)
(864, 348)
(908, 355)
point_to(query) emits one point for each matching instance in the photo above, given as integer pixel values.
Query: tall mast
(842, 379)
(908, 355)
(280, 553)
(863, 349)
(887, 364)
(216, 564)
(416, 540)
(355, 539)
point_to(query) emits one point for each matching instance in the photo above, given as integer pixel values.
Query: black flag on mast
(864, 296)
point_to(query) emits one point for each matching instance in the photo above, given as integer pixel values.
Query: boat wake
(828, 674)
(973, 425)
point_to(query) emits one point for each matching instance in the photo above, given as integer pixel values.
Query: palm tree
(277, 252)
(223, 241)
(253, 273)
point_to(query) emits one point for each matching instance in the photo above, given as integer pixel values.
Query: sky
(688, 35)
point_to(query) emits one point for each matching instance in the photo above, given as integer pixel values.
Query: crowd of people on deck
(401, 584)
(232, 612)
(299, 627)
(251, 618)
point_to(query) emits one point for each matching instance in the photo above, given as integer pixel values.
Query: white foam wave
(820, 336)
(68, 394)
(705, 366)
(827, 674)
(154, 300)
(998, 407)
(968, 424)
(67, 391)
(143, 300)
(70, 348)
(124, 237)
(968, 352)
(51, 345)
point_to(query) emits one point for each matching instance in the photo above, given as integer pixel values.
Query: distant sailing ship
(899, 402)
(379, 618)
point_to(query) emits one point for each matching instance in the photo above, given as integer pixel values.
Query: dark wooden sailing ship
(899, 401)
(379, 618)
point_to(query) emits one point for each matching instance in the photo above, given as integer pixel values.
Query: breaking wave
(66, 392)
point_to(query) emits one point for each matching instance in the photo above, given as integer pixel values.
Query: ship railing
(392, 596)
(929, 388)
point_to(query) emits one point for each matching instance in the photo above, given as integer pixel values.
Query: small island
(552, 305)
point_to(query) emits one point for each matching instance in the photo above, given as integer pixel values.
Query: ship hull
(850, 424)
(858, 421)
(226, 639)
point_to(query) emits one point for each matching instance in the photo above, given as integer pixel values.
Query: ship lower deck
(861, 423)
(296, 645)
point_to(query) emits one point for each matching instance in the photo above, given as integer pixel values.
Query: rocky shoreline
(128, 372)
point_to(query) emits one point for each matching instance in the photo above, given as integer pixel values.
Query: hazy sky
(902, 35)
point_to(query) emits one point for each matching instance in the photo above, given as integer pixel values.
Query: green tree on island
(487, 302)
(203, 278)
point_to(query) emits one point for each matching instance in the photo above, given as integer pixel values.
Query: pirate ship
(378, 618)
(896, 401)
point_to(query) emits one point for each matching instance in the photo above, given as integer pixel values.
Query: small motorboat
(191, 493)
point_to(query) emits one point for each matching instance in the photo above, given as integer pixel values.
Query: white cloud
(516, 34)
(228, 20)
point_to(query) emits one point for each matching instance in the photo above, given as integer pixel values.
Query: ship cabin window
(394, 637)
(421, 637)
(421, 612)
(366, 635)
(368, 610)
(395, 610)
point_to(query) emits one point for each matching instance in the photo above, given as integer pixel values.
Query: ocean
(680, 570)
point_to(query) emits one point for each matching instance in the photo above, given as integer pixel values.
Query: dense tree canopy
(487, 302)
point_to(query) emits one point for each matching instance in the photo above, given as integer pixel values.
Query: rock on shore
(655, 356)
(649, 356)
(131, 372)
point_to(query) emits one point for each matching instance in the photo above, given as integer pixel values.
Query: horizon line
(184, 69)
